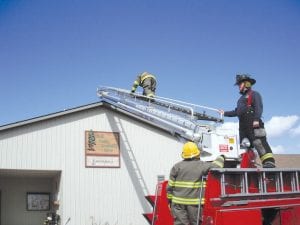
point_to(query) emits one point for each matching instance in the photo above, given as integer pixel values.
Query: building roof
(287, 160)
(50, 116)
(74, 110)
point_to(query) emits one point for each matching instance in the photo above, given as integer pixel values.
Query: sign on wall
(102, 149)
(38, 201)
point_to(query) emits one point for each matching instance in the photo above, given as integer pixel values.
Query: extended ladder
(178, 117)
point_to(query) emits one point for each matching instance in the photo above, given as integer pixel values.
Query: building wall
(108, 196)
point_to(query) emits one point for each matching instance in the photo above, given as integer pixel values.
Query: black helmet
(244, 77)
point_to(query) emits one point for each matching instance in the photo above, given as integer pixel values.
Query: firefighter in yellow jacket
(147, 81)
(185, 182)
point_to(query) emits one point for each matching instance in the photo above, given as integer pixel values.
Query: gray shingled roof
(287, 160)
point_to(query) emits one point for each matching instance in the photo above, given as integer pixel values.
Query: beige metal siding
(99, 195)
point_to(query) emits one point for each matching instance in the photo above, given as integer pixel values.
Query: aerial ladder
(186, 121)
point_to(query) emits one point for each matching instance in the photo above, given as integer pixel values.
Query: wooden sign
(102, 149)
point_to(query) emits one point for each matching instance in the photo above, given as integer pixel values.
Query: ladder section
(134, 166)
(247, 183)
(175, 116)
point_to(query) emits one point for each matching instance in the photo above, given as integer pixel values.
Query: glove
(255, 124)
(223, 156)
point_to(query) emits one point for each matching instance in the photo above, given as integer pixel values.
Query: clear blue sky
(54, 54)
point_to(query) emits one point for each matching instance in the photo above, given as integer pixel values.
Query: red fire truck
(235, 196)
(247, 195)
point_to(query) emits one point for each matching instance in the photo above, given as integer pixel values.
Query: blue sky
(54, 55)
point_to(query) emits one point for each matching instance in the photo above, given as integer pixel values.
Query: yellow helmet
(190, 150)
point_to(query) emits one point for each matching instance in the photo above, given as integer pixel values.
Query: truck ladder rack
(247, 183)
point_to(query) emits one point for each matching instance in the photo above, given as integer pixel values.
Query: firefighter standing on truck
(185, 183)
(249, 111)
(147, 81)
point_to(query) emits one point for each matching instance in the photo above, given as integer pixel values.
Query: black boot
(269, 164)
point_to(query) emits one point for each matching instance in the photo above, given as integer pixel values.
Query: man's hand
(170, 205)
(132, 93)
(255, 124)
(221, 111)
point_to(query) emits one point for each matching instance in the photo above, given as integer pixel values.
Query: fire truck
(240, 193)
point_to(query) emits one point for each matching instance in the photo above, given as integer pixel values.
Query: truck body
(234, 196)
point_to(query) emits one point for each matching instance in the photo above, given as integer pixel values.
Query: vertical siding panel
(3, 152)
(16, 156)
(25, 150)
(36, 146)
(21, 150)
(55, 157)
(12, 152)
(46, 147)
(40, 160)
(30, 149)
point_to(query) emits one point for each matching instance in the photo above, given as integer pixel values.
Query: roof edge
(50, 116)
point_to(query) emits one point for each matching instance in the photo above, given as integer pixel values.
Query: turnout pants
(149, 86)
(256, 136)
(184, 214)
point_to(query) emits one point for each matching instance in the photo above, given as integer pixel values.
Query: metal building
(47, 165)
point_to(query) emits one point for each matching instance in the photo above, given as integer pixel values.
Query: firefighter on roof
(185, 183)
(249, 111)
(147, 81)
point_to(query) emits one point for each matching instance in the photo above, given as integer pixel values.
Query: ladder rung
(261, 194)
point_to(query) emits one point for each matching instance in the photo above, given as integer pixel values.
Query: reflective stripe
(147, 76)
(202, 201)
(186, 184)
(219, 162)
(171, 183)
(134, 86)
(186, 201)
(169, 196)
(150, 95)
(266, 156)
(180, 200)
(189, 184)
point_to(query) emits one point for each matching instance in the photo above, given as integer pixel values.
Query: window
(38, 201)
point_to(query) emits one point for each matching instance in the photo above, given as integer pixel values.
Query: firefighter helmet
(144, 74)
(244, 77)
(190, 150)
